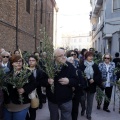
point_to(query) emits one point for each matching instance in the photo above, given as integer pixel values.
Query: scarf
(88, 70)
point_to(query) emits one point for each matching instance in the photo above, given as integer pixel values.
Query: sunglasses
(107, 58)
(5, 56)
(73, 54)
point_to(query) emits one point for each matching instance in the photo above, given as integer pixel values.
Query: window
(28, 6)
(41, 12)
(116, 5)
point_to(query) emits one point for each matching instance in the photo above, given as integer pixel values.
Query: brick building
(21, 21)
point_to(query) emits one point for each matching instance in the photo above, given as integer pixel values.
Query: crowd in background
(80, 72)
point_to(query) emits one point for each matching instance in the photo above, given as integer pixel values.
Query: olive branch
(19, 80)
(49, 66)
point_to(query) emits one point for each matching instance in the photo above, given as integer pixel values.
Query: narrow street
(43, 114)
(38, 39)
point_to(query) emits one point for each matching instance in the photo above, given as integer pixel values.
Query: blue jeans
(21, 115)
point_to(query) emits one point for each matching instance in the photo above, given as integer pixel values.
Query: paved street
(43, 114)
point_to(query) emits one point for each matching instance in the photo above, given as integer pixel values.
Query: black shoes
(98, 107)
(88, 117)
(82, 112)
(107, 110)
(40, 106)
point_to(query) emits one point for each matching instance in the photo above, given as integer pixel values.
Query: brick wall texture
(29, 24)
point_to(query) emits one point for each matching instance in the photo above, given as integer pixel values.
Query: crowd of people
(74, 83)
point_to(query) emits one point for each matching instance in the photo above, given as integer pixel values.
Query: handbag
(34, 99)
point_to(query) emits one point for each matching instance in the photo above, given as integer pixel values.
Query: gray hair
(4, 53)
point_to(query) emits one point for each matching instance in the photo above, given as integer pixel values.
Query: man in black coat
(64, 80)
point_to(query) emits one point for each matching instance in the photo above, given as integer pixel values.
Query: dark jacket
(63, 93)
(96, 77)
(117, 62)
(78, 92)
(13, 95)
(38, 81)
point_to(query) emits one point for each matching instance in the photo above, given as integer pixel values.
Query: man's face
(5, 58)
(32, 62)
(60, 57)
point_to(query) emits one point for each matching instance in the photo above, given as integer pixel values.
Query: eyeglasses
(5, 56)
(73, 54)
(107, 58)
(19, 61)
(32, 60)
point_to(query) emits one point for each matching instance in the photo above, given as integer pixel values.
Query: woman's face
(89, 58)
(74, 55)
(107, 59)
(32, 62)
(18, 65)
(17, 53)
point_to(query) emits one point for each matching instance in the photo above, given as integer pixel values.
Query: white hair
(57, 51)
(4, 53)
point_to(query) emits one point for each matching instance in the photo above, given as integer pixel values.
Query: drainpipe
(35, 24)
(17, 1)
(46, 15)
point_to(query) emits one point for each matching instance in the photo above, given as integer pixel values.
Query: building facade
(21, 21)
(80, 41)
(105, 22)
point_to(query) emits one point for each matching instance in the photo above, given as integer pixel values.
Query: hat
(15, 58)
(88, 54)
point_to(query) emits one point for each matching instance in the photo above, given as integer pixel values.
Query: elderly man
(64, 80)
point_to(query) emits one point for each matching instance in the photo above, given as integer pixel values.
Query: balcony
(97, 6)
(94, 15)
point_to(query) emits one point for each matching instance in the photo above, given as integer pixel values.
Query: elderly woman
(5, 60)
(107, 69)
(93, 78)
(14, 109)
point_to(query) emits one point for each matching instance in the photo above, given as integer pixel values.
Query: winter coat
(96, 77)
(13, 95)
(62, 93)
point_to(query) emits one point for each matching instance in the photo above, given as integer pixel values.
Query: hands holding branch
(64, 81)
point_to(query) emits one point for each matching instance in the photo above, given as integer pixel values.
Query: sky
(73, 16)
